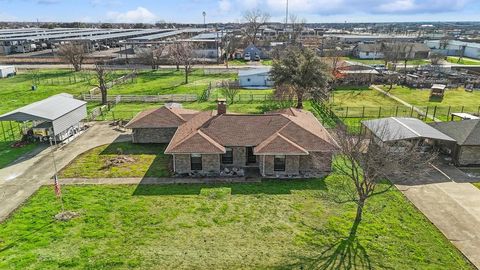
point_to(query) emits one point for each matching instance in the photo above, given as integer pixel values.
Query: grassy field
(453, 97)
(464, 61)
(169, 82)
(147, 161)
(9, 154)
(359, 97)
(270, 225)
(16, 91)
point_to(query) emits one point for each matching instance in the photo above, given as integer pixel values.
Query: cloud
(138, 15)
(224, 5)
(4, 17)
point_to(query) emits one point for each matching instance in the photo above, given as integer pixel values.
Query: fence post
(3, 130)
(396, 111)
(426, 113)
(463, 107)
(478, 110)
(434, 112)
(379, 111)
(363, 112)
(411, 112)
(346, 113)
(113, 115)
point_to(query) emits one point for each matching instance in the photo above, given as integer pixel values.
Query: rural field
(275, 224)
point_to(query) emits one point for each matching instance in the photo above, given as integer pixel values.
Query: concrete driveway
(18, 182)
(452, 204)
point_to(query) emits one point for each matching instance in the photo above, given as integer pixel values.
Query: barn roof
(48, 109)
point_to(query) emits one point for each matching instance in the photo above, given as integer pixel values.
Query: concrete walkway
(156, 181)
(453, 207)
(18, 182)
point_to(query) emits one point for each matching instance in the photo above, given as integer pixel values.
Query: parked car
(257, 57)
(247, 57)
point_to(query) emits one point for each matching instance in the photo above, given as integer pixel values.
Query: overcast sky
(190, 11)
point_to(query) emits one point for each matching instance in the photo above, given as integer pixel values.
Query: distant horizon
(230, 11)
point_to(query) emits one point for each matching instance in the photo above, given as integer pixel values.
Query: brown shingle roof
(289, 131)
(163, 117)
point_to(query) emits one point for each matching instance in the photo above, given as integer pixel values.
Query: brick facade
(210, 163)
(316, 161)
(152, 135)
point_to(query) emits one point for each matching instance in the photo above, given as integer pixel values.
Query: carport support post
(434, 112)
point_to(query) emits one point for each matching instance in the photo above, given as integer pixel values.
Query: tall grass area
(9, 154)
(275, 224)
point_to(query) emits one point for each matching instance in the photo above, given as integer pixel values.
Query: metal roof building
(166, 35)
(61, 112)
(396, 129)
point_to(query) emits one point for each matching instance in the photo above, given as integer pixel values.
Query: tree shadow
(267, 187)
(347, 253)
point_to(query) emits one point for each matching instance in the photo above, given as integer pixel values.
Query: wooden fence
(146, 98)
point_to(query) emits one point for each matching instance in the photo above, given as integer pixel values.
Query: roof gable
(161, 118)
(466, 132)
(278, 144)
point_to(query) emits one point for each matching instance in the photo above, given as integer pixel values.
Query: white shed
(255, 78)
(6, 71)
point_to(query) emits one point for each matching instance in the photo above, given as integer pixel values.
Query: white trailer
(7, 71)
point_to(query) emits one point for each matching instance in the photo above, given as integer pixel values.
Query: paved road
(138, 67)
(452, 206)
(20, 181)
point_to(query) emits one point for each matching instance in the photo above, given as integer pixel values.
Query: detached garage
(158, 125)
(55, 118)
(255, 78)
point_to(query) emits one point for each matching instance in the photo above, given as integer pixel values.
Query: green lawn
(266, 62)
(147, 161)
(453, 97)
(16, 91)
(464, 61)
(477, 185)
(9, 154)
(238, 62)
(162, 82)
(275, 224)
(360, 97)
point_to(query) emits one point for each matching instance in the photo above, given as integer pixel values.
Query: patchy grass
(9, 154)
(148, 161)
(270, 225)
(464, 61)
(238, 62)
(162, 82)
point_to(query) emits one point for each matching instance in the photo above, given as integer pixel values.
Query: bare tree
(151, 56)
(298, 24)
(364, 162)
(230, 90)
(255, 19)
(392, 52)
(436, 58)
(231, 44)
(102, 76)
(73, 54)
(302, 71)
(183, 53)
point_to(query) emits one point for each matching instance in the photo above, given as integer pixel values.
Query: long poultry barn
(53, 119)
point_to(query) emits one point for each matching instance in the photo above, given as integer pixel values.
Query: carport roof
(48, 109)
(396, 129)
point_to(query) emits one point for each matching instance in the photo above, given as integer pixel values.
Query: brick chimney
(221, 106)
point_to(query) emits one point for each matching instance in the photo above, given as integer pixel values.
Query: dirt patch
(118, 161)
(66, 216)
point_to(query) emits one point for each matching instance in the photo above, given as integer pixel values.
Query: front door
(251, 158)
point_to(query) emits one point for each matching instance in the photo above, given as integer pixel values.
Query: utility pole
(286, 17)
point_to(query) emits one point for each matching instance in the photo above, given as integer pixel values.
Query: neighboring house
(286, 143)
(376, 50)
(255, 78)
(466, 133)
(253, 51)
(7, 71)
(355, 73)
(158, 125)
(368, 51)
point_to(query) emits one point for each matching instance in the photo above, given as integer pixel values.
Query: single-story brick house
(466, 149)
(158, 125)
(286, 143)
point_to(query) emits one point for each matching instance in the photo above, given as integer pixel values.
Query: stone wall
(316, 162)
(210, 163)
(152, 135)
(291, 166)
(239, 156)
(469, 155)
